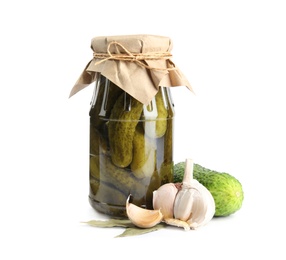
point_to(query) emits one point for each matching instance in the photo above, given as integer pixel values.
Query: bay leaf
(110, 223)
(135, 231)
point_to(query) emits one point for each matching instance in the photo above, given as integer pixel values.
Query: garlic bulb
(188, 205)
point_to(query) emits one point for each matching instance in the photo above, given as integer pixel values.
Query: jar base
(111, 210)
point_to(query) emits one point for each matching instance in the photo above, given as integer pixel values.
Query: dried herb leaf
(110, 223)
(135, 231)
(131, 229)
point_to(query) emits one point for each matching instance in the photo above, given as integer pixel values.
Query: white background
(234, 55)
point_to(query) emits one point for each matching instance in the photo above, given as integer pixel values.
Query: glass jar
(131, 147)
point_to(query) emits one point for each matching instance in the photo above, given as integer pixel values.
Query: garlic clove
(203, 207)
(194, 203)
(184, 203)
(164, 199)
(141, 217)
(209, 205)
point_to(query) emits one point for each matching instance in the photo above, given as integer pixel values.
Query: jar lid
(133, 43)
(138, 64)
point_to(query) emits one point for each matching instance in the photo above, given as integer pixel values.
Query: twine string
(134, 57)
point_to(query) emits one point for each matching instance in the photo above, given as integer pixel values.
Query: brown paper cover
(140, 73)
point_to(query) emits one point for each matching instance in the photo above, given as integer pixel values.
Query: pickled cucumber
(102, 167)
(156, 117)
(166, 172)
(97, 143)
(104, 193)
(121, 128)
(111, 95)
(106, 95)
(144, 154)
(168, 142)
(95, 109)
(94, 185)
(154, 184)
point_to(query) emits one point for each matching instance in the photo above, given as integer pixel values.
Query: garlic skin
(164, 199)
(194, 203)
